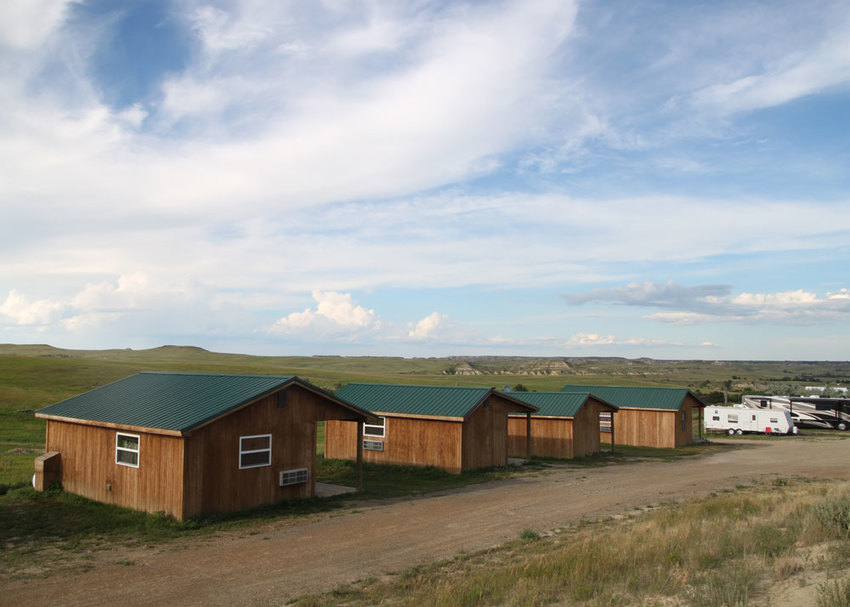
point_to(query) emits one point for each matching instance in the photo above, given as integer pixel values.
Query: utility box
(48, 470)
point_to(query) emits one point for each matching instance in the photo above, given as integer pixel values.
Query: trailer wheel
(842, 426)
(731, 431)
(739, 431)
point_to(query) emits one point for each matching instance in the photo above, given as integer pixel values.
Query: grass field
(33, 376)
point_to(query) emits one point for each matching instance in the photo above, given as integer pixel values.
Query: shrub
(832, 515)
(834, 594)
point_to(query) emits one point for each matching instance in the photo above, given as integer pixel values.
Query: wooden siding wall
(562, 437)
(485, 435)
(213, 480)
(586, 429)
(686, 436)
(550, 437)
(643, 428)
(407, 441)
(89, 469)
(648, 428)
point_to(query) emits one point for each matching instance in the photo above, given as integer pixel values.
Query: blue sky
(541, 178)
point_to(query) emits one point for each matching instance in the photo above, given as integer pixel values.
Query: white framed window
(127, 449)
(255, 451)
(379, 430)
(373, 445)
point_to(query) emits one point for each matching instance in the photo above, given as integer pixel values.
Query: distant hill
(33, 376)
(695, 374)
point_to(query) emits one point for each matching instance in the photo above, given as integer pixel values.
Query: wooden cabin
(648, 417)
(565, 426)
(453, 428)
(189, 444)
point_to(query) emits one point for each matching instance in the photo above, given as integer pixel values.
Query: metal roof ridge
(205, 374)
(627, 387)
(362, 383)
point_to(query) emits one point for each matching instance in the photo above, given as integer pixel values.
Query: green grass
(16, 469)
(33, 524)
(382, 481)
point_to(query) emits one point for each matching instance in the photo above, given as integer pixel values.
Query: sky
(657, 179)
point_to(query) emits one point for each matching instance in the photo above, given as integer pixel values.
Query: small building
(565, 426)
(649, 417)
(189, 444)
(454, 428)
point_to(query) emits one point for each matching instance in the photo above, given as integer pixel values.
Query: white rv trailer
(737, 420)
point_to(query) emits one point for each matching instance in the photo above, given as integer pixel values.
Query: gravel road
(273, 562)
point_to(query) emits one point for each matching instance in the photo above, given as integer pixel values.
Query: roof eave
(111, 425)
(422, 416)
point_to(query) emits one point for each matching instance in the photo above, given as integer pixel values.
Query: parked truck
(737, 420)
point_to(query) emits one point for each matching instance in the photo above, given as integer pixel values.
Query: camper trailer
(737, 420)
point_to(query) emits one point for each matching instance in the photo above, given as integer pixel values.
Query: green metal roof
(637, 397)
(437, 401)
(169, 401)
(557, 404)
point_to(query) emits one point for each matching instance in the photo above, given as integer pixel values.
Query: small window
(373, 445)
(605, 421)
(684, 420)
(127, 450)
(774, 420)
(715, 418)
(733, 418)
(255, 451)
(378, 429)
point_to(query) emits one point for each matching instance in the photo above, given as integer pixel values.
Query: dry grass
(708, 553)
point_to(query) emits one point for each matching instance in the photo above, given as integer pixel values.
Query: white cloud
(88, 322)
(713, 303)
(648, 293)
(428, 326)
(788, 299)
(24, 312)
(26, 24)
(788, 75)
(222, 31)
(334, 313)
(591, 339)
(251, 124)
(130, 291)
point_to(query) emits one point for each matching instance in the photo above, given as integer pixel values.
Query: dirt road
(270, 564)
